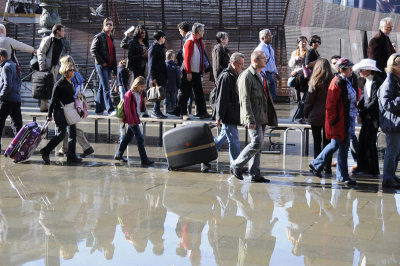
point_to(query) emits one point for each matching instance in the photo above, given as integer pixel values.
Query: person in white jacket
(11, 45)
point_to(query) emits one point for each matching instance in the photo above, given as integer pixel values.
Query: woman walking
(220, 55)
(340, 106)
(367, 159)
(63, 94)
(315, 106)
(133, 101)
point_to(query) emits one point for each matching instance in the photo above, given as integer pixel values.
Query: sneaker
(157, 115)
(205, 167)
(100, 113)
(60, 153)
(45, 156)
(259, 179)
(87, 152)
(120, 158)
(314, 171)
(349, 181)
(144, 114)
(113, 113)
(205, 116)
(74, 160)
(185, 117)
(147, 162)
(236, 172)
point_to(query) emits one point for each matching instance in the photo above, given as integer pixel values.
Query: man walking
(192, 74)
(270, 69)
(256, 111)
(49, 54)
(10, 98)
(11, 45)
(380, 46)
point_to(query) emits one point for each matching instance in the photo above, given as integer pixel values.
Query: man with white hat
(367, 161)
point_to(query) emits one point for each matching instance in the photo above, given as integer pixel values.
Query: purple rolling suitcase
(26, 141)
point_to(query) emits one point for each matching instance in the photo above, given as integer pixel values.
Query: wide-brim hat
(366, 64)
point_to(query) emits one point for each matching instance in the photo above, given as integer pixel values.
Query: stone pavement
(103, 212)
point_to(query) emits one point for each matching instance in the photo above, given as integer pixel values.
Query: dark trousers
(186, 89)
(367, 151)
(320, 139)
(61, 129)
(13, 110)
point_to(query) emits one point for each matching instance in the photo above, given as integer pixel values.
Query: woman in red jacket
(338, 122)
(133, 101)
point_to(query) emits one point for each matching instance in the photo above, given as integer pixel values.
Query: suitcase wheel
(5, 154)
(172, 169)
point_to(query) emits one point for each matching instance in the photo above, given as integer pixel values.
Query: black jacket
(227, 107)
(135, 53)
(63, 91)
(156, 65)
(370, 110)
(220, 60)
(99, 51)
(380, 48)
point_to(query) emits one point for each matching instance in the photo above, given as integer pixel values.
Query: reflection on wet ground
(107, 213)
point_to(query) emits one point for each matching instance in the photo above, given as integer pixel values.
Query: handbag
(120, 110)
(81, 105)
(306, 71)
(155, 94)
(71, 113)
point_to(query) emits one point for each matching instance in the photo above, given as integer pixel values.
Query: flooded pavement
(103, 212)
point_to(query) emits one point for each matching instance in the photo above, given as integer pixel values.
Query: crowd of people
(331, 97)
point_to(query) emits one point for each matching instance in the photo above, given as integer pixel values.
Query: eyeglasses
(109, 24)
(318, 42)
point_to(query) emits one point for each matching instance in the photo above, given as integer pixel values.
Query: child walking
(173, 83)
(133, 101)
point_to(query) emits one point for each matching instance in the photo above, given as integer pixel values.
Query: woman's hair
(301, 38)
(136, 34)
(314, 39)
(67, 64)
(139, 81)
(220, 36)
(322, 73)
(393, 60)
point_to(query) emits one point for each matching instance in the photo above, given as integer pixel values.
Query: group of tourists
(239, 98)
(333, 96)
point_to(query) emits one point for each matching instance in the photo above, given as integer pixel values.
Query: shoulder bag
(155, 93)
(71, 113)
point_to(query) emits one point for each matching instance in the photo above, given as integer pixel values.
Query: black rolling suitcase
(42, 85)
(188, 145)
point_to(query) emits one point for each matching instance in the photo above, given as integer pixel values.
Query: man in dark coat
(380, 46)
(157, 69)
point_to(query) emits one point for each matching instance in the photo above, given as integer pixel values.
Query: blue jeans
(103, 99)
(132, 130)
(231, 133)
(157, 107)
(170, 99)
(342, 172)
(392, 156)
(252, 152)
(272, 84)
(122, 92)
(61, 129)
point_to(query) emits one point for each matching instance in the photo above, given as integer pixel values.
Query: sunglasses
(109, 24)
(318, 42)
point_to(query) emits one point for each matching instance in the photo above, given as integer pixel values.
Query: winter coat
(227, 107)
(337, 118)
(10, 82)
(174, 76)
(255, 108)
(100, 52)
(135, 53)
(122, 76)
(131, 116)
(156, 65)
(380, 48)
(369, 111)
(45, 52)
(11, 45)
(315, 104)
(220, 60)
(389, 104)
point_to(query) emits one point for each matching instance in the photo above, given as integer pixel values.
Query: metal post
(160, 140)
(109, 131)
(96, 130)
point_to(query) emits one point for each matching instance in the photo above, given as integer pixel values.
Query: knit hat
(344, 63)
(366, 64)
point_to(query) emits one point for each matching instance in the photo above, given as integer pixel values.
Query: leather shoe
(259, 179)
(349, 181)
(120, 158)
(87, 152)
(314, 171)
(74, 160)
(205, 167)
(45, 156)
(205, 116)
(147, 162)
(391, 183)
(237, 173)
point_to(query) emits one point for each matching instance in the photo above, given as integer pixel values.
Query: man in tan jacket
(256, 111)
